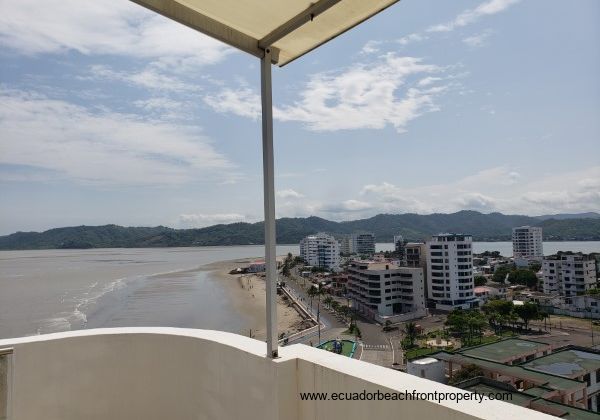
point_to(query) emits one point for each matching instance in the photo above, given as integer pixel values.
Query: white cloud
(362, 96)
(346, 206)
(371, 47)
(101, 147)
(410, 38)
(149, 78)
(469, 16)
(365, 96)
(476, 41)
(243, 102)
(197, 220)
(495, 189)
(289, 193)
(113, 27)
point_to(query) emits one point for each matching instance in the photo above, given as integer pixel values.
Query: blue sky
(110, 114)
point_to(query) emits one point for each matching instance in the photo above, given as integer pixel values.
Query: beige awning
(290, 27)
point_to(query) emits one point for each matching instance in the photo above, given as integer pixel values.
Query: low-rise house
(573, 362)
(484, 293)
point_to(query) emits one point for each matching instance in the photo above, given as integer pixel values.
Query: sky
(112, 114)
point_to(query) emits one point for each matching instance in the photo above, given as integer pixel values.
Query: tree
(523, 276)
(285, 271)
(527, 312)
(410, 330)
(480, 281)
(457, 322)
(500, 273)
(476, 322)
(312, 292)
(466, 373)
(344, 311)
(328, 300)
(335, 305)
(498, 312)
(535, 266)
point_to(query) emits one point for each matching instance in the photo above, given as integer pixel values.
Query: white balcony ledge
(171, 373)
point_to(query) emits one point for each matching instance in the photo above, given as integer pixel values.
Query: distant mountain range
(414, 227)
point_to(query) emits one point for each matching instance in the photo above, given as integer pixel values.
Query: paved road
(332, 327)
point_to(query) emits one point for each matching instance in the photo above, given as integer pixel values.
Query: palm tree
(327, 301)
(312, 292)
(335, 305)
(318, 293)
(410, 329)
(344, 311)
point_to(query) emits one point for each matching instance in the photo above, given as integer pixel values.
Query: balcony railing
(170, 373)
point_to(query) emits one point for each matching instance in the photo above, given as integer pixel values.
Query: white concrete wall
(168, 373)
(434, 371)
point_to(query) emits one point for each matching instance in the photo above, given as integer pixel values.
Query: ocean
(59, 290)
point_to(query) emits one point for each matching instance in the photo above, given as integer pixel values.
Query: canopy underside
(290, 27)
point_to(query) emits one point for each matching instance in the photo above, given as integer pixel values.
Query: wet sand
(247, 292)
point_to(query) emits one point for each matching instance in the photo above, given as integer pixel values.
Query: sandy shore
(247, 292)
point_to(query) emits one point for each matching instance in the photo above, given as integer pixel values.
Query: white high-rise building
(321, 250)
(450, 271)
(527, 243)
(568, 274)
(385, 289)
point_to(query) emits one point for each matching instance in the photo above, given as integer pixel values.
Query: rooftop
(528, 398)
(552, 382)
(570, 362)
(502, 350)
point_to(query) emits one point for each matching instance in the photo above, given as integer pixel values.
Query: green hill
(483, 227)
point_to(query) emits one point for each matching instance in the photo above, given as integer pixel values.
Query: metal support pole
(269, 200)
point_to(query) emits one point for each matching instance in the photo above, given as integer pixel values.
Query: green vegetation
(501, 272)
(480, 281)
(411, 333)
(490, 227)
(524, 276)
(468, 325)
(501, 313)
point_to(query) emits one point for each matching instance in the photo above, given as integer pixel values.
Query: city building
(568, 273)
(257, 266)
(485, 293)
(567, 377)
(416, 256)
(321, 250)
(577, 363)
(524, 398)
(338, 284)
(363, 243)
(450, 271)
(383, 290)
(527, 244)
(345, 245)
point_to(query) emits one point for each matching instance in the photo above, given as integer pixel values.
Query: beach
(248, 295)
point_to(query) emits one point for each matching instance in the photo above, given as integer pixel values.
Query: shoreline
(248, 296)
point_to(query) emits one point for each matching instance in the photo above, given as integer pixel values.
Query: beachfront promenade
(171, 373)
